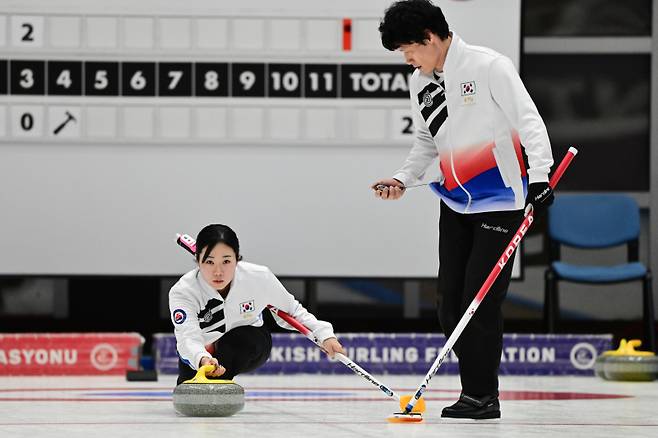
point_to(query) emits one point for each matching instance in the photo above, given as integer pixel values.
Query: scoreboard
(191, 80)
(204, 79)
(125, 122)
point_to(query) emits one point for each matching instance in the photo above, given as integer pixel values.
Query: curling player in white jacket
(217, 310)
(474, 118)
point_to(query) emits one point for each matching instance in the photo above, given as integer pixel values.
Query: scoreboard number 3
(27, 78)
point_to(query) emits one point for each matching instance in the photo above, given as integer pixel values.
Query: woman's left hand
(332, 346)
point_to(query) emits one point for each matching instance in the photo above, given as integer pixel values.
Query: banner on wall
(71, 354)
(413, 353)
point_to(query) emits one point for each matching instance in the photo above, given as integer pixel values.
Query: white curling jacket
(476, 127)
(200, 315)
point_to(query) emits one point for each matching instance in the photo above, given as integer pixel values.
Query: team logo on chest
(247, 307)
(207, 317)
(427, 99)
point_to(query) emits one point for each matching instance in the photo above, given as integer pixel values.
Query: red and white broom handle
(187, 242)
(500, 264)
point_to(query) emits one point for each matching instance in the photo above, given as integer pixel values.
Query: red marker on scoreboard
(347, 34)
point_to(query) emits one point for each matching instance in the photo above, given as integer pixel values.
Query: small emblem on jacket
(427, 98)
(247, 306)
(207, 317)
(179, 316)
(468, 88)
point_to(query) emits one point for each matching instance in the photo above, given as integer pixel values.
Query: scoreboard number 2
(29, 32)
(402, 126)
(408, 125)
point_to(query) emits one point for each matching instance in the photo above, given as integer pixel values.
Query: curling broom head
(419, 407)
(401, 417)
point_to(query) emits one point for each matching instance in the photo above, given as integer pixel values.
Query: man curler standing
(471, 112)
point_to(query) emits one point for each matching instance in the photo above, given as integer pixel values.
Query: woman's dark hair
(408, 21)
(213, 234)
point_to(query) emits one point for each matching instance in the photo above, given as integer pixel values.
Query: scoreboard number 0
(27, 122)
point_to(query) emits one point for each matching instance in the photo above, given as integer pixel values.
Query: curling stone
(627, 364)
(599, 364)
(203, 397)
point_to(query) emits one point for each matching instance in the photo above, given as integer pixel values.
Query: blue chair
(596, 221)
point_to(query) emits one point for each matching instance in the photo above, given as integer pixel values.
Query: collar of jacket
(454, 53)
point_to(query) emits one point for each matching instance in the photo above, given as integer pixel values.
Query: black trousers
(469, 247)
(240, 350)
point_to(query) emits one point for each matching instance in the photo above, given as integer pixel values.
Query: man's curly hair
(408, 21)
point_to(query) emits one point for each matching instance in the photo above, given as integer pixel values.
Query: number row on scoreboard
(216, 124)
(91, 78)
(184, 34)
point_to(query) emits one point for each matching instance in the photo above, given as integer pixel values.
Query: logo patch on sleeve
(179, 316)
(247, 306)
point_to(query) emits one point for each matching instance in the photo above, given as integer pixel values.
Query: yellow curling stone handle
(201, 376)
(628, 349)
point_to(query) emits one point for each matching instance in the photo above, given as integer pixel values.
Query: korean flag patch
(468, 88)
(247, 306)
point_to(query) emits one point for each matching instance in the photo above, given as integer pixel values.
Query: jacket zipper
(454, 174)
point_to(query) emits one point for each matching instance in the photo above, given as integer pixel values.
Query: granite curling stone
(627, 364)
(203, 397)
